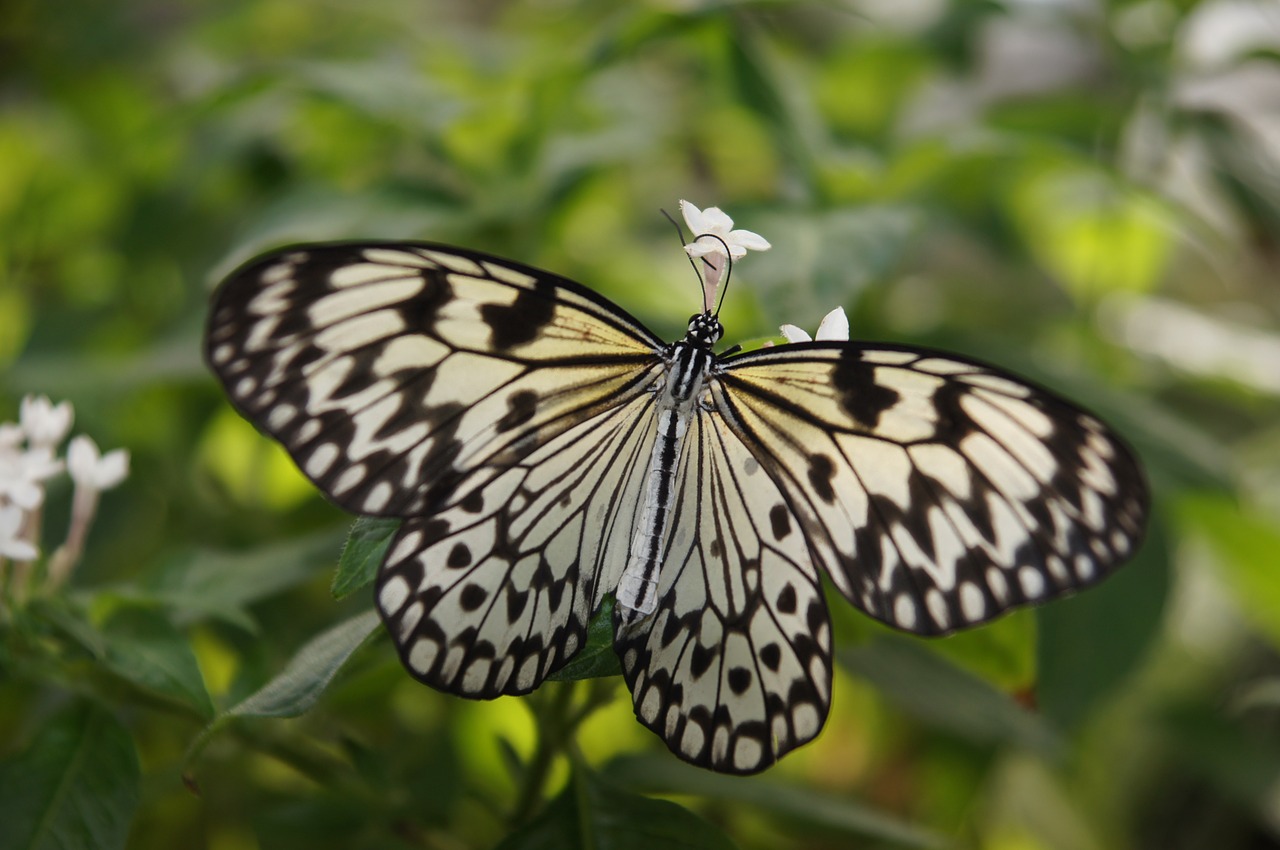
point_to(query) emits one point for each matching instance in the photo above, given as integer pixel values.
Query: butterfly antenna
(680, 233)
(728, 271)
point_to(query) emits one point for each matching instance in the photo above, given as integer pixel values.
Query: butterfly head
(704, 330)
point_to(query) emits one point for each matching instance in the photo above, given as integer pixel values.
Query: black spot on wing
(858, 393)
(522, 320)
(473, 596)
(516, 601)
(521, 406)
(473, 503)
(422, 310)
(786, 602)
(739, 680)
(821, 472)
(780, 520)
(459, 556)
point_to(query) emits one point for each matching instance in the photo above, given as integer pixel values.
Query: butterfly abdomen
(638, 587)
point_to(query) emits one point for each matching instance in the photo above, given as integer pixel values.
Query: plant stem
(553, 721)
(557, 718)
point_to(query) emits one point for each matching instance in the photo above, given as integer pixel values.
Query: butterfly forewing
(937, 492)
(390, 370)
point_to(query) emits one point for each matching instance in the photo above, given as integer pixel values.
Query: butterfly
(546, 452)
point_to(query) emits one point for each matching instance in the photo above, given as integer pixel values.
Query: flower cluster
(29, 459)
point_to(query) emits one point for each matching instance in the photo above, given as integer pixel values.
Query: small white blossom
(46, 424)
(89, 468)
(11, 546)
(11, 436)
(713, 221)
(22, 474)
(834, 328)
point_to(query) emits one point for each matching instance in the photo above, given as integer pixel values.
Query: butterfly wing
(936, 491)
(493, 592)
(733, 669)
(389, 370)
(473, 396)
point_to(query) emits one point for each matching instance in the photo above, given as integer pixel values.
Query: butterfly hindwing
(938, 492)
(388, 370)
(733, 669)
(493, 592)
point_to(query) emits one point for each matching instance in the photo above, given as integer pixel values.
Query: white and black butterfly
(545, 451)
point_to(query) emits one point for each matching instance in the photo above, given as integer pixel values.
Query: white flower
(10, 436)
(834, 328)
(10, 545)
(713, 221)
(21, 474)
(46, 424)
(89, 468)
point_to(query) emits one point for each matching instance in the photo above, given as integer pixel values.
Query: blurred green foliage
(1084, 192)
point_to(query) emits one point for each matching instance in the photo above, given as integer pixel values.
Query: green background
(1087, 193)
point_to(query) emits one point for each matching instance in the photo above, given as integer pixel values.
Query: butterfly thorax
(687, 368)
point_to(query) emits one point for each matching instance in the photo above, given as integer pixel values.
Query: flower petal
(10, 435)
(112, 469)
(82, 459)
(692, 217)
(46, 424)
(834, 326)
(10, 521)
(795, 334)
(749, 240)
(704, 247)
(26, 495)
(18, 550)
(715, 220)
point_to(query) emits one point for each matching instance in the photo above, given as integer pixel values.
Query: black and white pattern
(545, 451)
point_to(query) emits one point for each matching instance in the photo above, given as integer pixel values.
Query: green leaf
(593, 814)
(295, 690)
(946, 697)
(1002, 653)
(144, 648)
(667, 776)
(70, 619)
(366, 548)
(1239, 758)
(1090, 644)
(1246, 544)
(223, 584)
(75, 787)
(597, 658)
